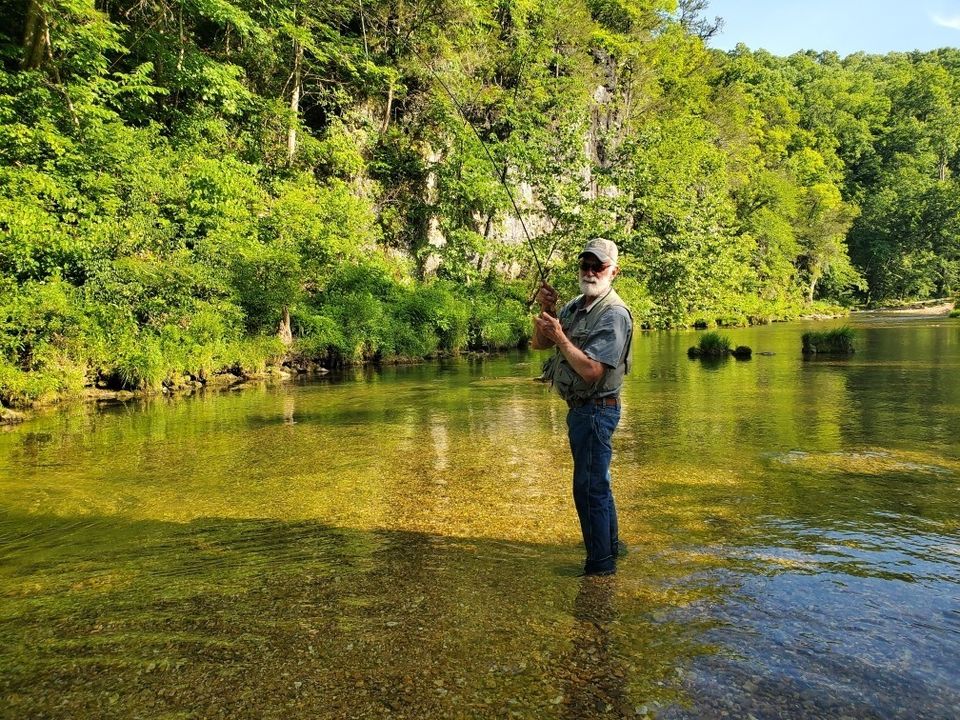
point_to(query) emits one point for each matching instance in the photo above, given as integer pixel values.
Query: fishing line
(501, 177)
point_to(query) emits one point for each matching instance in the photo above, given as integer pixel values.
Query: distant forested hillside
(210, 184)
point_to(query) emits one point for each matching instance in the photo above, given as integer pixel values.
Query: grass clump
(715, 345)
(839, 341)
(711, 344)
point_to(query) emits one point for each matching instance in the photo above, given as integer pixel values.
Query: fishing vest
(579, 327)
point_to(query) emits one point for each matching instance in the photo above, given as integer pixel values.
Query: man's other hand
(549, 328)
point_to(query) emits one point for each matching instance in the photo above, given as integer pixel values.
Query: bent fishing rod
(501, 175)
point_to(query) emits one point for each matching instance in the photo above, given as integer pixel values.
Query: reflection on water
(401, 543)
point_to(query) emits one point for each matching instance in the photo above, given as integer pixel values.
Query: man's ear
(616, 271)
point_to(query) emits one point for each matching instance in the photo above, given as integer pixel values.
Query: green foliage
(139, 363)
(499, 317)
(42, 353)
(252, 354)
(21, 388)
(839, 341)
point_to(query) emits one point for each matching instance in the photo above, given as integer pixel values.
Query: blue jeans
(590, 429)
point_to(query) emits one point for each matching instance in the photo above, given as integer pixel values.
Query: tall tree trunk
(46, 45)
(285, 331)
(35, 36)
(183, 40)
(386, 114)
(295, 99)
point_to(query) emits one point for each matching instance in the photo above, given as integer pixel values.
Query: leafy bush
(139, 363)
(435, 306)
(19, 388)
(42, 349)
(637, 297)
(251, 355)
(497, 323)
(317, 336)
(367, 312)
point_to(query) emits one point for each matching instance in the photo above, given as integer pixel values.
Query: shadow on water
(260, 618)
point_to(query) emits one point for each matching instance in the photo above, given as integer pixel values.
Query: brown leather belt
(609, 401)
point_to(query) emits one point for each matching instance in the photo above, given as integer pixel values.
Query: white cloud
(947, 22)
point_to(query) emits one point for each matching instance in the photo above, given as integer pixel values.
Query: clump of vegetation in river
(718, 345)
(711, 344)
(839, 341)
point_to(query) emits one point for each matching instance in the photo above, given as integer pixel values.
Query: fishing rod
(501, 175)
(553, 249)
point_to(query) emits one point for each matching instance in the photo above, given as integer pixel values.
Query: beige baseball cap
(604, 250)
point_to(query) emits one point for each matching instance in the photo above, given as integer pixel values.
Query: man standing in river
(592, 337)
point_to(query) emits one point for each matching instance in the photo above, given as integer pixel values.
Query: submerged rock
(223, 379)
(178, 383)
(742, 352)
(99, 393)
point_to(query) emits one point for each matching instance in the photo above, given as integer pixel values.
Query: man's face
(595, 276)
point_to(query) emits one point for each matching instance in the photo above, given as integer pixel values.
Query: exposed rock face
(10, 417)
(605, 130)
(434, 236)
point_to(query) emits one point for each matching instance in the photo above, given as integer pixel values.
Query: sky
(846, 26)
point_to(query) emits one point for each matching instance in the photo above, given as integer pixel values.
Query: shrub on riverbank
(127, 330)
(369, 313)
(839, 341)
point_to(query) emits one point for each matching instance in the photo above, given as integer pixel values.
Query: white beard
(593, 287)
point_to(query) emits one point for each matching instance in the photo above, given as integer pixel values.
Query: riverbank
(221, 382)
(188, 385)
(937, 309)
(936, 306)
(106, 389)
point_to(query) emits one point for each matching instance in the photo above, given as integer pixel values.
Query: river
(401, 542)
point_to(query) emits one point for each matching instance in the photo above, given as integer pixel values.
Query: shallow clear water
(402, 543)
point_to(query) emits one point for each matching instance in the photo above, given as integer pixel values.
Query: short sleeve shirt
(608, 343)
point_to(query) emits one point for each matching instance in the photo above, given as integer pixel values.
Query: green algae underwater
(401, 542)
